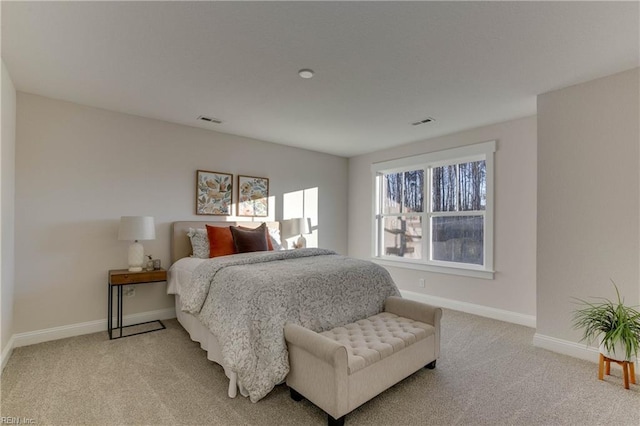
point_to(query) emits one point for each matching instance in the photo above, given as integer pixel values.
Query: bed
(236, 306)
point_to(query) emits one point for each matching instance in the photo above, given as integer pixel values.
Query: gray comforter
(246, 299)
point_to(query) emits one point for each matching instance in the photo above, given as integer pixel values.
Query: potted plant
(616, 325)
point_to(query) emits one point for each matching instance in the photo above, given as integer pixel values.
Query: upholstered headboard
(180, 244)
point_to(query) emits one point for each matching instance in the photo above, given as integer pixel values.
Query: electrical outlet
(129, 291)
(421, 282)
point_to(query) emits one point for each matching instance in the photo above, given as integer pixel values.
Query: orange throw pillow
(220, 241)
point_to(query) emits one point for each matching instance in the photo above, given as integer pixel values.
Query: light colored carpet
(488, 374)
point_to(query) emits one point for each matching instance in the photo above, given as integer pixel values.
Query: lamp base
(136, 257)
(301, 243)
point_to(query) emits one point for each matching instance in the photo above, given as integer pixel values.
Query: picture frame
(253, 196)
(214, 193)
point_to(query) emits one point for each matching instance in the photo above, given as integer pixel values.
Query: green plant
(612, 321)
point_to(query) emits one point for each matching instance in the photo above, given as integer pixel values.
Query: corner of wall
(7, 350)
(7, 212)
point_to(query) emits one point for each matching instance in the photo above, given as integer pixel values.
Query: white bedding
(179, 274)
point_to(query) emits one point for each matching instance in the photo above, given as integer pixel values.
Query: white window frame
(481, 151)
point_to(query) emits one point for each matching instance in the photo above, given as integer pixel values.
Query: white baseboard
(7, 351)
(62, 332)
(470, 308)
(566, 347)
(576, 350)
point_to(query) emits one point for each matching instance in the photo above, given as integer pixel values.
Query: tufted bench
(340, 369)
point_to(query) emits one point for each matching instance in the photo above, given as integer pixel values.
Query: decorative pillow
(250, 240)
(267, 230)
(274, 238)
(199, 242)
(220, 241)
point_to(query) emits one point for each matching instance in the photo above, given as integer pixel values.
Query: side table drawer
(138, 277)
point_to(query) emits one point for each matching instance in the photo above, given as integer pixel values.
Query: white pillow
(199, 242)
(274, 235)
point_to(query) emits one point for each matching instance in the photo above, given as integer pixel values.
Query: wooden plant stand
(628, 369)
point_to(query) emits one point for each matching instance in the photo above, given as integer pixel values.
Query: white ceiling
(379, 65)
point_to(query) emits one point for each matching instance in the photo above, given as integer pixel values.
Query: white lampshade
(134, 228)
(305, 225)
(290, 227)
(297, 226)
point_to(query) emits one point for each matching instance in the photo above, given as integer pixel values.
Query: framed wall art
(253, 196)
(213, 193)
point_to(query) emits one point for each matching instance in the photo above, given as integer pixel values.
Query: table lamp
(297, 226)
(134, 228)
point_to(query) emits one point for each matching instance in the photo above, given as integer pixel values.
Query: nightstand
(120, 278)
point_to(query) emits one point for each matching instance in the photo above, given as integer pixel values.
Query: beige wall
(78, 169)
(7, 202)
(513, 288)
(588, 195)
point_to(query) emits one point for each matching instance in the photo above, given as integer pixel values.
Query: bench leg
(295, 395)
(333, 422)
(431, 365)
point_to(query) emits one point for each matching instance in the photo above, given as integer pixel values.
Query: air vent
(426, 120)
(210, 119)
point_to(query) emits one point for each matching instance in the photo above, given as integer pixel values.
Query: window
(435, 211)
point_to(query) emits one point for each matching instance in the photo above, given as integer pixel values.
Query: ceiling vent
(210, 119)
(426, 120)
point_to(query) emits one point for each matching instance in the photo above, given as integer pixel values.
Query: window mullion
(461, 213)
(402, 193)
(378, 212)
(426, 223)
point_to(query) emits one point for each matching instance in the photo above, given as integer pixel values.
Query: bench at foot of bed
(340, 369)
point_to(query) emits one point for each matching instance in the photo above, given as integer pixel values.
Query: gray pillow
(199, 242)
